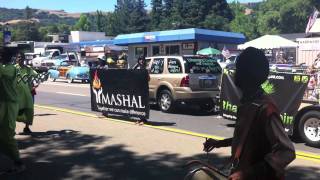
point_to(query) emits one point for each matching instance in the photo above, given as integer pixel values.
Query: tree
(100, 21)
(64, 29)
(28, 13)
(219, 16)
(282, 16)
(83, 24)
(167, 9)
(26, 32)
(243, 23)
(129, 16)
(110, 27)
(156, 13)
(138, 17)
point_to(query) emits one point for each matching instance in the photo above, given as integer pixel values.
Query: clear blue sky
(71, 5)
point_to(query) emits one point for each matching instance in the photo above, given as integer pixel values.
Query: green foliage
(130, 16)
(246, 24)
(156, 14)
(25, 32)
(83, 24)
(284, 16)
(28, 12)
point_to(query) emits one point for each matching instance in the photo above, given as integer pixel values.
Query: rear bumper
(188, 94)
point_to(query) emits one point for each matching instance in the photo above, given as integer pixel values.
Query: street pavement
(69, 146)
(76, 96)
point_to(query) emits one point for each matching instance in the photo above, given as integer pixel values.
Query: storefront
(92, 49)
(176, 42)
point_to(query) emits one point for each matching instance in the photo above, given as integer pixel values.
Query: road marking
(300, 154)
(72, 94)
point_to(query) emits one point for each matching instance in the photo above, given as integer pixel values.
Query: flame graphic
(96, 81)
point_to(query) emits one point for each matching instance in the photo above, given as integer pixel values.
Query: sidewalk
(68, 146)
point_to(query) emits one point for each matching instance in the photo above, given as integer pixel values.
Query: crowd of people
(16, 103)
(313, 89)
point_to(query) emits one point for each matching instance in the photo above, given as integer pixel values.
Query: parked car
(188, 79)
(70, 71)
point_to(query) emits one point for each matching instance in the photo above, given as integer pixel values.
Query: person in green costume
(25, 89)
(9, 110)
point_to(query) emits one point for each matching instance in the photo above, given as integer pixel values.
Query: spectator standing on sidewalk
(141, 64)
(26, 92)
(9, 110)
(260, 146)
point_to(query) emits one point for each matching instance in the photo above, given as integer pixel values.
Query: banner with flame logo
(120, 91)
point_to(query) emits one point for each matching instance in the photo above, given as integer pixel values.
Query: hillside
(45, 17)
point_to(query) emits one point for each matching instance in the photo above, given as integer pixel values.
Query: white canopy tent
(269, 42)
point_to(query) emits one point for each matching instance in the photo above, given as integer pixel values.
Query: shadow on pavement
(130, 119)
(191, 110)
(69, 154)
(45, 114)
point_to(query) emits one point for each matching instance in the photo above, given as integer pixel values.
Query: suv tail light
(185, 82)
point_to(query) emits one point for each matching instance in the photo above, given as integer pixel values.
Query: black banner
(120, 91)
(286, 89)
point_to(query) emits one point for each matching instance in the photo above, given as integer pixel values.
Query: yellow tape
(299, 154)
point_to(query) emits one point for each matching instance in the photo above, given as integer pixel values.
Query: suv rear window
(200, 65)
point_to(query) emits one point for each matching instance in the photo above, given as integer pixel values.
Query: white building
(81, 36)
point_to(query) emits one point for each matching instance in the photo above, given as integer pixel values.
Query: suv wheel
(309, 128)
(165, 101)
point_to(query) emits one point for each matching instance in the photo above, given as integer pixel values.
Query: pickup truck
(44, 62)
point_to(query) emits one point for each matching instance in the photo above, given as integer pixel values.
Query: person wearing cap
(102, 62)
(265, 150)
(9, 108)
(26, 92)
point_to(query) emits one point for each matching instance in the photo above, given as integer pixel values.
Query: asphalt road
(76, 96)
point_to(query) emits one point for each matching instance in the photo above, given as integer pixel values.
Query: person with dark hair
(26, 92)
(141, 64)
(260, 147)
(9, 111)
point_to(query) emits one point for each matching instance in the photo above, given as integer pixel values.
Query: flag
(312, 20)
(225, 52)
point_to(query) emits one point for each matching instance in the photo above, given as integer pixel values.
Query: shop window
(173, 50)
(141, 51)
(174, 66)
(155, 50)
(157, 66)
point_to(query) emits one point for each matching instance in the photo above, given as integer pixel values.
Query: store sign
(120, 91)
(188, 46)
(98, 49)
(287, 99)
(150, 37)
